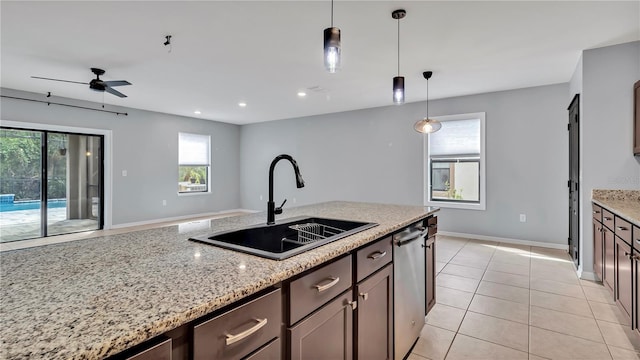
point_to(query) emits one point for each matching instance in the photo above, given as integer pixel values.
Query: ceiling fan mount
(97, 84)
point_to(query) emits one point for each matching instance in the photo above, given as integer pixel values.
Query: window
(455, 163)
(193, 163)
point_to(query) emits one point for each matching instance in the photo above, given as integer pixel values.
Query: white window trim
(482, 205)
(198, 193)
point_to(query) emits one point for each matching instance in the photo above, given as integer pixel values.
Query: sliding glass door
(51, 183)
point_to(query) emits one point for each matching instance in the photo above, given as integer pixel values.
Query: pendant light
(332, 46)
(426, 125)
(398, 81)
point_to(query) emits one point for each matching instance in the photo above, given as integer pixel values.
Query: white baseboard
(505, 240)
(586, 275)
(178, 218)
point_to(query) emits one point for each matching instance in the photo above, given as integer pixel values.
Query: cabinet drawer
(636, 237)
(270, 352)
(161, 351)
(432, 223)
(597, 212)
(318, 287)
(240, 331)
(623, 229)
(373, 257)
(608, 219)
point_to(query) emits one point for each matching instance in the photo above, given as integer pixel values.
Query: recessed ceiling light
(242, 104)
(302, 94)
(197, 112)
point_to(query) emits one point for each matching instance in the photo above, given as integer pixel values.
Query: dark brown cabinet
(430, 254)
(374, 316)
(608, 244)
(623, 276)
(161, 351)
(598, 260)
(325, 334)
(241, 331)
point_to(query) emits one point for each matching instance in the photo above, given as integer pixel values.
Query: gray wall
(608, 75)
(374, 155)
(146, 145)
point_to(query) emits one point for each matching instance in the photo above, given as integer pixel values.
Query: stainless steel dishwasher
(409, 287)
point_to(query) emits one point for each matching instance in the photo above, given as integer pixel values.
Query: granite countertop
(89, 299)
(625, 203)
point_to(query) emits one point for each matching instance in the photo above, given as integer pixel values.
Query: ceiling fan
(97, 84)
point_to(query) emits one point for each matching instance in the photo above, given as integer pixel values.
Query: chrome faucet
(272, 210)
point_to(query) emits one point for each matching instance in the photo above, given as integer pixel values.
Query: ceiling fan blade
(114, 92)
(69, 81)
(116, 83)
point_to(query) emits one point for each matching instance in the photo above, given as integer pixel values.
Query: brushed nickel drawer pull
(608, 218)
(622, 228)
(232, 339)
(626, 254)
(596, 212)
(353, 304)
(321, 288)
(377, 255)
(365, 296)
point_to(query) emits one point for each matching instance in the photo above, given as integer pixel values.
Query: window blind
(193, 149)
(456, 137)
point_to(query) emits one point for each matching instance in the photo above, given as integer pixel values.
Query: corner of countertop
(606, 194)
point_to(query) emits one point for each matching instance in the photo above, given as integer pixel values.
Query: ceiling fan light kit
(426, 125)
(398, 81)
(332, 47)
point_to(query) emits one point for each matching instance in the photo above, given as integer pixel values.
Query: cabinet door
(430, 253)
(609, 257)
(325, 334)
(374, 316)
(273, 351)
(597, 249)
(623, 276)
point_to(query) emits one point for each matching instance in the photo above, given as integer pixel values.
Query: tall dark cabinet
(574, 177)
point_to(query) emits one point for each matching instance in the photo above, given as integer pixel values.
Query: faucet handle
(278, 210)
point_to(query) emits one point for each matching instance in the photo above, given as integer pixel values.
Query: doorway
(51, 183)
(574, 177)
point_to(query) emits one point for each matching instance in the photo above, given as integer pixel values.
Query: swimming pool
(32, 205)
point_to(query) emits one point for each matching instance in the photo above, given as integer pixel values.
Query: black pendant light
(332, 46)
(426, 125)
(398, 81)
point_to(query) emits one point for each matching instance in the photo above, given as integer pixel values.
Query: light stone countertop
(89, 299)
(624, 203)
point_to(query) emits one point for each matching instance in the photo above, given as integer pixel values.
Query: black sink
(286, 239)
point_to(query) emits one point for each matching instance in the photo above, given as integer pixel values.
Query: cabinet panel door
(597, 249)
(623, 276)
(272, 351)
(374, 316)
(609, 257)
(430, 252)
(325, 334)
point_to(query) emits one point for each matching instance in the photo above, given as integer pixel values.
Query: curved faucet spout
(271, 206)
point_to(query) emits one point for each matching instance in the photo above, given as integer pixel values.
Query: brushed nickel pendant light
(398, 81)
(426, 125)
(332, 46)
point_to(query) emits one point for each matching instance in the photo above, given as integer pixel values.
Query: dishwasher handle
(405, 238)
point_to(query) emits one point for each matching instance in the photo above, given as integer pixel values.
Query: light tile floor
(505, 301)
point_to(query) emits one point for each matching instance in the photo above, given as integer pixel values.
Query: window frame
(426, 163)
(208, 166)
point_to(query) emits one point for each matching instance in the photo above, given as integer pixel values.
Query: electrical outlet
(124, 172)
(164, 202)
(523, 218)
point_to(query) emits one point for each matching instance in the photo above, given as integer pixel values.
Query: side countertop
(625, 203)
(93, 298)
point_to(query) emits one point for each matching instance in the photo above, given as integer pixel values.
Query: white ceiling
(264, 52)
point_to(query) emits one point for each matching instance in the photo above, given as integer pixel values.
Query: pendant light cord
(427, 99)
(331, 13)
(398, 46)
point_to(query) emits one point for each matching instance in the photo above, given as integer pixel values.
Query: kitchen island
(90, 299)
